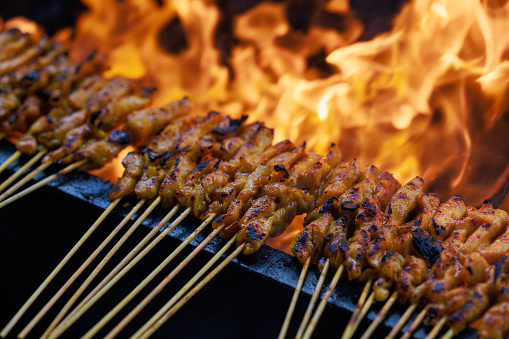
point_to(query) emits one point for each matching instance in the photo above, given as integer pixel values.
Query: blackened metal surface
(247, 299)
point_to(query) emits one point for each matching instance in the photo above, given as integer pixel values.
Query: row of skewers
(229, 174)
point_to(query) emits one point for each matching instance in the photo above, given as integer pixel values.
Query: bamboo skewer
(185, 288)
(9, 160)
(437, 328)
(43, 182)
(449, 334)
(402, 321)
(347, 334)
(122, 267)
(364, 310)
(313, 300)
(413, 326)
(22, 170)
(383, 311)
(71, 280)
(165, 281)
(191, 293)
(57, 269)
(23, 181)
(295, 297)
(319, 310)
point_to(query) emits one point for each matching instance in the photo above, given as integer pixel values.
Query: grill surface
(247, 299)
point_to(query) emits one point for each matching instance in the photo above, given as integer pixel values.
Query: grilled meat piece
(273, 171)
(400, 206)
(206, 191)
(223, 196)
(280, 202)
(195, 150)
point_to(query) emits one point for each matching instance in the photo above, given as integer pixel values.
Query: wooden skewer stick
(417, 321)
(166, 280)
(449, 334)
(23, 181)
(22, 170)
(383, 311)
(9, 160)
(347, 334)
(313, 300)
(323, 303)
(114, 276)
(185, 288)
(402, 321)
(43, 182)
(293, 303)
(437, 328)
(57, 269)
(189, 295)
(76, 274)
(364, 310)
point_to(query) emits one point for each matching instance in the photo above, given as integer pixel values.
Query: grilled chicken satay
(222, 195)
(495, 321)
(24, 82)
(374, 190)
(7, 36)
(38, 92)
(101, 150)
(265, 173)
(152, 160)
(279, 203)
(98, 124)
(463, 268)
(13, 80)
(217, 171)
(412, 249)
(14, 42)
(194, 145)
(198, 148)
(60, 78)
(26, 55)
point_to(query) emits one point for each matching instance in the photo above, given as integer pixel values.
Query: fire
(427, 98)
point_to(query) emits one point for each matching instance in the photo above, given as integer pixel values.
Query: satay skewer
(57, 269)
(295, 297)
(22, 169)
(9, 160)
(81, 269)
(321, 307)
(167, 310)
(309, 310)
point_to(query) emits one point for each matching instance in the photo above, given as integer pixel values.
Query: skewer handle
(184, 289)
(57, 269)
(312, 302)
(295, 297)
(9, 160)
(189, 295)
(323, 303)
(41, 183)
